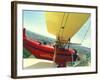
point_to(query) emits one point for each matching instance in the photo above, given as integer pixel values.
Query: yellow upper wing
(65, 25)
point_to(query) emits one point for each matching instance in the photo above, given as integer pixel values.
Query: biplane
(64, 25)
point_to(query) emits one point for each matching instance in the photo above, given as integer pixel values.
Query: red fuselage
(42, 51)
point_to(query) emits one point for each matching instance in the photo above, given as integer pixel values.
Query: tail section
(24, 33)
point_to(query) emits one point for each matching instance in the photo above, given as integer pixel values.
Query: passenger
(44, 43)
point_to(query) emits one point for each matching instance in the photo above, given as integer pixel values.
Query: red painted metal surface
(47, 52)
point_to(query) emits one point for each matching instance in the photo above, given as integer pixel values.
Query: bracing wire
(65, 24)
(62, 26)
(86, 33)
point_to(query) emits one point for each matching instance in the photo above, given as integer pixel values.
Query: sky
(83, 36)
(35, 22)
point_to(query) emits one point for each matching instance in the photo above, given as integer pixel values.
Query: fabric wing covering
(65, 25)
